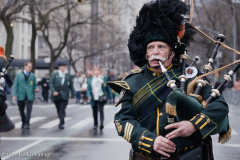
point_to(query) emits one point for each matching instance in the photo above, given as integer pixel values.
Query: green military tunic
(140, 114)
(63, 90)
(23, 87)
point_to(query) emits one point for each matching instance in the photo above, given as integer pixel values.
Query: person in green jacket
(60, 84)
(24, 89)
(140, 113)
(97, 92)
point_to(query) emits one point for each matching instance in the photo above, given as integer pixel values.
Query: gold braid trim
(204, 104)
(172, 110)
(199, 97)
(226, 137)
(191, 85)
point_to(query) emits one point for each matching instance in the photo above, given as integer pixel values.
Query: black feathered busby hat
(160, 20)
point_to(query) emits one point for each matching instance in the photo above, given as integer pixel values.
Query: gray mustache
(157, 57)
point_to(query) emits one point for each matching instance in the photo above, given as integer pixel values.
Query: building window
(23, 27)
(29, 28)
(41, 42)
(22, 52)
(29, 52)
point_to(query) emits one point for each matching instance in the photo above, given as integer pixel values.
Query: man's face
(28, 67)
(62, 68)
(160, 49)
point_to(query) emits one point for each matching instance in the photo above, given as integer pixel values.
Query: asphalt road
(45, 140)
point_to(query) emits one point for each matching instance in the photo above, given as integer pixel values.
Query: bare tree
(7, 10)
(58, 24)
(212, 22)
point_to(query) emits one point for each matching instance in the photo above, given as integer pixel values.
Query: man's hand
(184, 129)
(14, 98)
(163, 145)
(72, 99)
(45, 84)
(36, 90)
(55, 93)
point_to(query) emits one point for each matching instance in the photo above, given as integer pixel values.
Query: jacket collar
(153, 73)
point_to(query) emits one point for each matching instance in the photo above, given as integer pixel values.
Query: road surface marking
(72, 105)
(108, 106)
(44, 106)
(82, 123)
(54, 123)
(23, 148)
(228, 145)
(14, 117)
(110, 125)
(61, 139)
(84, 107)
(32, 120)
(233, 132)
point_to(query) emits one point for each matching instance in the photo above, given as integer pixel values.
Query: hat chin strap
(168, 57)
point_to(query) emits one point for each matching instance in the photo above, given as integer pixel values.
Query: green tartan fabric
(153, 93)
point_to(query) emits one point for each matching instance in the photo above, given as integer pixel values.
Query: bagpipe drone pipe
(186, 106)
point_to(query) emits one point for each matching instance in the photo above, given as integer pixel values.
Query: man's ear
(173, 53)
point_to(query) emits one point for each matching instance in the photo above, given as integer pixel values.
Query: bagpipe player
(140, 114)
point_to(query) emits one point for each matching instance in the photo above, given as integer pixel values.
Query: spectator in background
(77, 84)
(111, 77)
(45, 87)
(97, 93)
(236, 86)
(120, 76)
(23, 91)
(103, 72)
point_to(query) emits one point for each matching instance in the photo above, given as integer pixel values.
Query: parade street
(44, 140)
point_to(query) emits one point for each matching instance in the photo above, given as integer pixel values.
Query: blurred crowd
(80, 84)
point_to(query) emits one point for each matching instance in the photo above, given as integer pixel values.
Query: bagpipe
(8, 81)
(185, 106)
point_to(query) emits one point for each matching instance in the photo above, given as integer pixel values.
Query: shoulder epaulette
(134, 71)
(118, 85)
